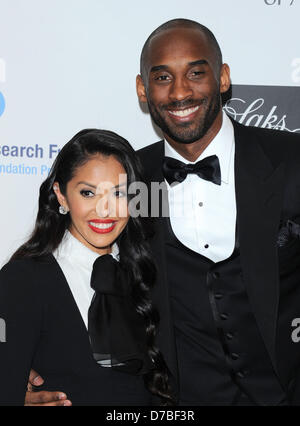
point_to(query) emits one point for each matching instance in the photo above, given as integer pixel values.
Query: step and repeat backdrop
(66, 65)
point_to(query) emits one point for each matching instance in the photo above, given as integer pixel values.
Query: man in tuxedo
(228, 255)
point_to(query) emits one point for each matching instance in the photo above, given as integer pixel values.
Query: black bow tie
(117, 333)
(208, 169)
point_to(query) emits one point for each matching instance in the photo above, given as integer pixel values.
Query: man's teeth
(184, 112)
(102, 225)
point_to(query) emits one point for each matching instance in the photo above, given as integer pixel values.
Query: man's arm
(43, 399)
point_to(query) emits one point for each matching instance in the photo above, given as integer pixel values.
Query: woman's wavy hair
(135, 253)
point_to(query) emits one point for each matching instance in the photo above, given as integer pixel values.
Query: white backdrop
(71, 64)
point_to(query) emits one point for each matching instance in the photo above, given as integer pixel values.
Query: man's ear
(225, 81)
(140, 89)
(60, 197)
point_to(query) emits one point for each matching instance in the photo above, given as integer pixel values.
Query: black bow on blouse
(117, 332)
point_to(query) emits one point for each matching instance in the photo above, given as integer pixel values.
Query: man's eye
(86, 193)
(197, 73)
(162, 78)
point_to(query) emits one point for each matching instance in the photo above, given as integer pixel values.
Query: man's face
(182, 84)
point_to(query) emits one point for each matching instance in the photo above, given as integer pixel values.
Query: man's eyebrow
(158, 68)
(165, 67)
(199, 62)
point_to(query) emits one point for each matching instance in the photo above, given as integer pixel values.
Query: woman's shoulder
(28, 271)
(27, 264)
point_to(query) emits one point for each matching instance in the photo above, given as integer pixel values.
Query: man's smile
(182, 113)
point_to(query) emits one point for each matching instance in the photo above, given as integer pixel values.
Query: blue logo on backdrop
(2, 104)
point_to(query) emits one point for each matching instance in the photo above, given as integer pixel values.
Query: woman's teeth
(184, 112)
(102, 225)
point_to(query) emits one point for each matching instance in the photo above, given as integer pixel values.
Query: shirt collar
(222, 145)
(78, 253)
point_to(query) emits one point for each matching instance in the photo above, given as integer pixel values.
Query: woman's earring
(62, 210)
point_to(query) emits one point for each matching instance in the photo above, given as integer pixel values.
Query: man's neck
(192, 151)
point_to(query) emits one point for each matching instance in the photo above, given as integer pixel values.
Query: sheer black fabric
(117, 332)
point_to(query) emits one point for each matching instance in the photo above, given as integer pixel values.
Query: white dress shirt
(203, 214)
(76, 261)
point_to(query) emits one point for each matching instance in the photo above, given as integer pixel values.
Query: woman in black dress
(75, 297)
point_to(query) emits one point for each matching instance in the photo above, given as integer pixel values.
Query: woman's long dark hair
(135, 254)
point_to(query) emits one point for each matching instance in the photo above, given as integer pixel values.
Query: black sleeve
(20, 325)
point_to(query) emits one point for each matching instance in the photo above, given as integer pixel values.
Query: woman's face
(96, 198)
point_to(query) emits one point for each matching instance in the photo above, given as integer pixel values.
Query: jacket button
(235, 356)
(224, 316)
(229, 336)
(218, 296)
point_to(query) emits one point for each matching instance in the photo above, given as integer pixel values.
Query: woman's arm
(21, 310)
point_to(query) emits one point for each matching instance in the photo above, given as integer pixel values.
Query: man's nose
(180, 89)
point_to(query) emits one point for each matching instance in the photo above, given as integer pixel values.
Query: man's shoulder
(150, 156)
(278, 135)
(267, 133)
(275, 143)
(154, 148)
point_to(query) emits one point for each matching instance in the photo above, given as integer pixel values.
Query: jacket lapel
(259, 190)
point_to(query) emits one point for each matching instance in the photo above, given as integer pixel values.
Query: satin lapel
(152, 163)
(259, 190)
(152, 159)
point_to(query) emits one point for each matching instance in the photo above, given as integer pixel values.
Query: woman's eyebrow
(120, 185)
(95, 187)
(87, 184)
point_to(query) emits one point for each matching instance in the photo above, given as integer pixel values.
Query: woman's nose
(102, 207)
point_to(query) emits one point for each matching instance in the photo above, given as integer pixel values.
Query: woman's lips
(102, 226)
(182, 115)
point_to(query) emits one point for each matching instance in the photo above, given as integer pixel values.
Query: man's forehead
(184, 42)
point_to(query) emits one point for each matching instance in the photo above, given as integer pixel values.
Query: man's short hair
(182, 23)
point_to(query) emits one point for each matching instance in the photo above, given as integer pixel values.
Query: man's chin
(185, 139)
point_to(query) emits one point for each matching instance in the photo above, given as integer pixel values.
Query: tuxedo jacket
(267, 184)
(45, 331)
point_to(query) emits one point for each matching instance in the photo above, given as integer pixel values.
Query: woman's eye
(86, 193)
(119, 194)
